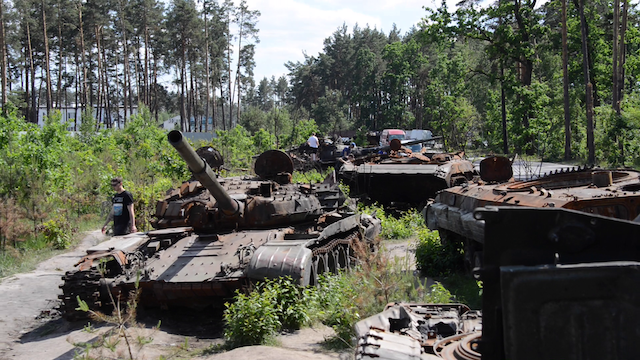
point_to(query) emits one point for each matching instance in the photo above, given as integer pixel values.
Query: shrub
(403, 227)
(57, 232)
(252, 319)
(435, 259)
(290, 303)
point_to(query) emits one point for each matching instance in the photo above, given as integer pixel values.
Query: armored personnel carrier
(214, 236)
(612, 193)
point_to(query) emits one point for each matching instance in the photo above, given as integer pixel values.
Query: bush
(57, 232)
(251, 319)
(275, 305)
(403, 227)
(435, 259)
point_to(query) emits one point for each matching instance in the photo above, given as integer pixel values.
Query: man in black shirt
(124, 220)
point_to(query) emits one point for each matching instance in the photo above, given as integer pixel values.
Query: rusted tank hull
(451, 213)
(411, 184)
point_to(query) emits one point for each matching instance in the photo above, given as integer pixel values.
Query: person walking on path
(122, 214)
(314, 144)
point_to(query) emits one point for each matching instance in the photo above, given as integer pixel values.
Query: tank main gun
(203, 173)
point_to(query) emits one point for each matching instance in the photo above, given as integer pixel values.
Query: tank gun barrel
(202, 172)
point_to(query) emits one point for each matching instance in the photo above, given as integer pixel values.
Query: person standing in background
(122, 213)
(314, 144)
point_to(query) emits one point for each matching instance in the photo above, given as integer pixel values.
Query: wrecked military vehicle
(557, 284)
(613, 193)
(394, 174)
(213, 236)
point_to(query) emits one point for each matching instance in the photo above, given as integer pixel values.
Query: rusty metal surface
(452, 208)
(271, 163)
(496, 168)
(559, 284)
(211, 156)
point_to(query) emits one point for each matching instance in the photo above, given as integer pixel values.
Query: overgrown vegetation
(343, 299)
(438, 259)
(339, 301)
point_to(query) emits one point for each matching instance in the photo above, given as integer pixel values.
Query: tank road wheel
(342, 258)
(322, 264)
(472, 255)
(332, 261)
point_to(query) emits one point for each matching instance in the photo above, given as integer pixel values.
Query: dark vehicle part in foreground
(400, 177)
(613, 193)
(216, 235)
(557, 284)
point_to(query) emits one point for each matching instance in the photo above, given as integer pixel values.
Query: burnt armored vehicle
(393, 174)
(214, 236)
(557, 284)
(612, 193)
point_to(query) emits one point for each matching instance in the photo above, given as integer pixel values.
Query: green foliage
(433, 258)
(236, 147)
(311, 177)
(403, 226)
(57, 232)
(252, 319)
(274, 305)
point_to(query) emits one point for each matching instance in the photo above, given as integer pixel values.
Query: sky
(290, 28)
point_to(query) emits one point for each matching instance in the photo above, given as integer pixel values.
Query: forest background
(558, 81)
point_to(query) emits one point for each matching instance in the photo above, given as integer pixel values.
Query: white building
(71, 114)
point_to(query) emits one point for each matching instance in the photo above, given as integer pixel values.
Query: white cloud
(290, 27)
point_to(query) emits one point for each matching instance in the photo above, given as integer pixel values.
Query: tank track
(85, 284)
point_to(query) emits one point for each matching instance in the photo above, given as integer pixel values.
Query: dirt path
(30, 327)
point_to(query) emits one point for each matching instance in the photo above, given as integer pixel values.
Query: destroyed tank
(213, 236)
(393, 175)
(611, 193)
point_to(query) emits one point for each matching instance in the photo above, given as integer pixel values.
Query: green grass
(465, 289)
(29, 253)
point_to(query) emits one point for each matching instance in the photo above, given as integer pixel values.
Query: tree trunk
(229, 69)
(46, 55)
(85, 92)
(3, 60)
(183, 105)
(100, 78)
(60, 61)
(105, 78)
(565, 78)
(224, 123)
(155, 88)
(616, 36)
(33, 114)
(589, 87)
(503, 111)
(146, 63)
(126, 86)
(206, 67)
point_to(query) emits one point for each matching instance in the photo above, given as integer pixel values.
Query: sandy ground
(30, 327)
